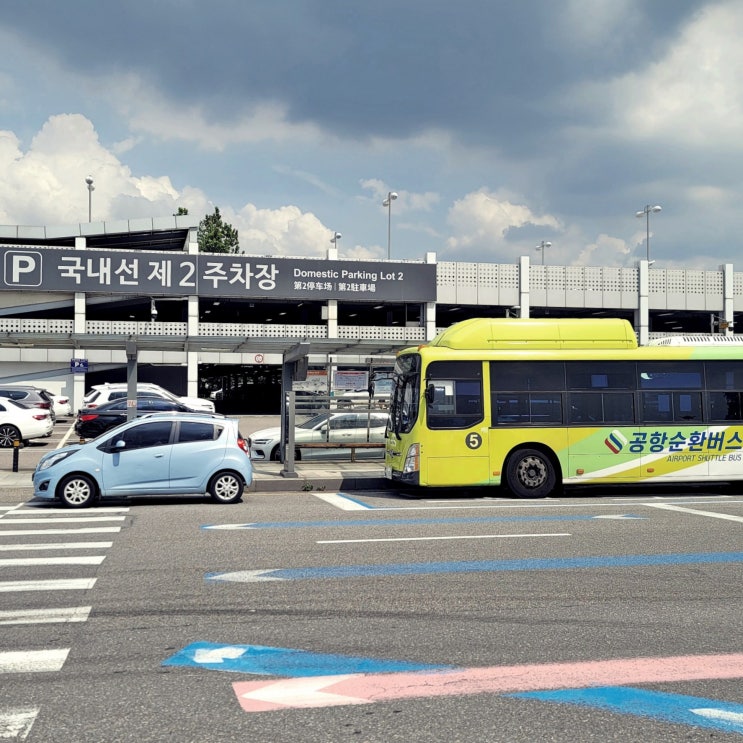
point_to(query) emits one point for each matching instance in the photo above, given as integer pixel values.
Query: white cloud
(605, 251)
(288, 231)
(481, 220)
(405, 201)
(149, 112)
(592, 24)
(693, 95)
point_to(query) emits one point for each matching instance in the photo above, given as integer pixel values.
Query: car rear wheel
(9, 434)
(77, 491)
(226, 487)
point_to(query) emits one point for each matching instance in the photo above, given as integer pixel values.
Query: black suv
(29, 396)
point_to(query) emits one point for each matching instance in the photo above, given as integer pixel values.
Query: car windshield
(315, 421)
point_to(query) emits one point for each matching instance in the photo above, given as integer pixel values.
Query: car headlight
(50, 461)
(260, 442)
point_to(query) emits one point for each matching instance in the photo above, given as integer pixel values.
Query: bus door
(454, 449)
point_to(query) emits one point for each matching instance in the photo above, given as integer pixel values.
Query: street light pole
(391, 196)
(336, 236)
(91, 188)
(542, 246)
(646, 213)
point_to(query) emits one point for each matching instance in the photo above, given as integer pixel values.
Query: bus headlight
(412, 460)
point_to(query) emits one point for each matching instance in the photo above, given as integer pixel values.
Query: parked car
(159, 454)
(342, 427)
(101, 393)
(92, 422)
(381, 390)
(62, 406)
(20, 423)
(29, 396)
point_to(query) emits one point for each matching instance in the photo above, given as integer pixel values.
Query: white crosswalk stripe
(61, 584)
(15, 723)
(55, 538)
(33, 661)
(45, 616)
(29, 562)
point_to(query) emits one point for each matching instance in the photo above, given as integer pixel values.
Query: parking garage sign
(214, 275)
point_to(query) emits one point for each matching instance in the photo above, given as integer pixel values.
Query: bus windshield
(405, 393)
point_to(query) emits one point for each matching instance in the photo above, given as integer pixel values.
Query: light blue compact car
(159, 454)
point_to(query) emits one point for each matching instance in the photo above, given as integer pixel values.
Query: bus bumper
(409, 478)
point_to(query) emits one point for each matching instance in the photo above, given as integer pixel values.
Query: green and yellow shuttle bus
(534, 403)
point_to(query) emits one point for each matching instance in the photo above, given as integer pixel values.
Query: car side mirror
(430, 394)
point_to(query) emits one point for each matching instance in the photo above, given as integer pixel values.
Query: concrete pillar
(192, 323)
(429, 308)
(728, 297)
(642, 313)
(524, 298)
(78, 326)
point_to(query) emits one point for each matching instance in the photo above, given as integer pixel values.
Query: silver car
(314, 437)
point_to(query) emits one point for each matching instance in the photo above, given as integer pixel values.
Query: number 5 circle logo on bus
(473, 440)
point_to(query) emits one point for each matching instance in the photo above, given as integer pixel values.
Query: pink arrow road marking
(325, 691)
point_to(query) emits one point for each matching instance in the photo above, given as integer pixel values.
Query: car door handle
(159, 456)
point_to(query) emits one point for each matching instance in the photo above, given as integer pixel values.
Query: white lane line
(36, 532)
(695, 512)
(44, 616)
(16, 722)
(45, 509)
(54, 584)
(434, 539)
(28, 562)
(33, 661)
(68, 520)
(342, 502)
(55, 546)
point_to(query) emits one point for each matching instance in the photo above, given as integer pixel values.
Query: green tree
(182, 211)
(217, 236)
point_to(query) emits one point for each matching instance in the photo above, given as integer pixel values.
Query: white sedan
(326, 428)
(62, 406)
(21, 424)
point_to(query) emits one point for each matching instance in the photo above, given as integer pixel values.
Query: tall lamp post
(91, 188)
(336, 236)
(542, 246)
(646, 213)
(391, 196)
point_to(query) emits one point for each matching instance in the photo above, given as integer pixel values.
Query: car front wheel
(226, 487)
(77, 491)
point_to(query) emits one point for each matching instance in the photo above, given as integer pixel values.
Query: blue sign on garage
(78, 366)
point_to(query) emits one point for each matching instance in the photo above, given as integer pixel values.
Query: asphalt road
(445, 619)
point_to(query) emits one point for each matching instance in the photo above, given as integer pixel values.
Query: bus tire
(530, 473)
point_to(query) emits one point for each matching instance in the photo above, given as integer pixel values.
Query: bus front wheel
(530, 474)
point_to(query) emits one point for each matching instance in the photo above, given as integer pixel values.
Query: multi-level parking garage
(78, 303)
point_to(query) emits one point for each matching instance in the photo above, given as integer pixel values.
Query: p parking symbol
(22, 268)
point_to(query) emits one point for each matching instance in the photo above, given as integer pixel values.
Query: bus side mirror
(430, 394)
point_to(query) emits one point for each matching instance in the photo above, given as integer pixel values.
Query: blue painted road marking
(287, 662)
(475, 566)
(675, 708)
(408, 522)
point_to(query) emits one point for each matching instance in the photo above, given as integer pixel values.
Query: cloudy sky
(499, 123)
